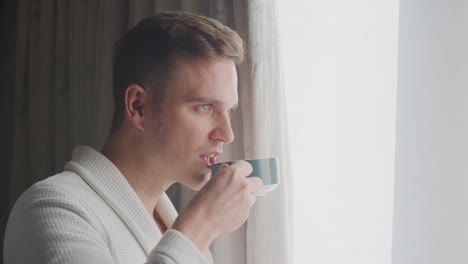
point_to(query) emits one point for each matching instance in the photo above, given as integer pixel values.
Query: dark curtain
(8, 19)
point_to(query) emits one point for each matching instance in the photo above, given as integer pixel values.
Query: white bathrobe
(90, 214)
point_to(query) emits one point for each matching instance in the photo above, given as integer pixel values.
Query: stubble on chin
(199, 181)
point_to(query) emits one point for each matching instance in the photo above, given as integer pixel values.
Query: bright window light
(340, 73)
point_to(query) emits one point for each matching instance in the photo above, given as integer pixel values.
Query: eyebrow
(207, 100)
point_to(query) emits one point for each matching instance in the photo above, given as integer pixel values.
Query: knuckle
(259, 181)
(251, 200)
(234, 170)
(244, 163)
(250, 167)
(244, 186)
(231, 178)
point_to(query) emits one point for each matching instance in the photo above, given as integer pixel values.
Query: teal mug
(265, 169)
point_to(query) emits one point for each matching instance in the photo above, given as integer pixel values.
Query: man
(175, 85)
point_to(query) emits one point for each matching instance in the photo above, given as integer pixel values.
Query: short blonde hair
(147, 54)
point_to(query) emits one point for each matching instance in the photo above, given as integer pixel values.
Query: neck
(147, 179)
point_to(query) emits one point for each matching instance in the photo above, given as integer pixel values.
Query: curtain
(63, 98)
(7, 76)
(63, 94)
(340, 69)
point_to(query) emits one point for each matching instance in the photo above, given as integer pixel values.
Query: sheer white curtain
(63, 98)
(340, 66)
(341, 72)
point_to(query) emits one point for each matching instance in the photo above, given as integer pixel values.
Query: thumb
(224, 165)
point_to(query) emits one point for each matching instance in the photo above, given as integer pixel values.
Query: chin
(200, 182)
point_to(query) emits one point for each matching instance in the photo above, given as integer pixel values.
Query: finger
(224, 165)
(253, 199)
(255, 184)
(244, 168)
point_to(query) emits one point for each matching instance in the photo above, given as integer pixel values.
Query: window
(340, 73)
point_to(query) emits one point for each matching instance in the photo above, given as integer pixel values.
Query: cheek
(195, 129)
(191, 123)
(198, 125)
(189, 133)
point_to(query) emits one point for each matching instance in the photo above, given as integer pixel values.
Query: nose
(223, 130)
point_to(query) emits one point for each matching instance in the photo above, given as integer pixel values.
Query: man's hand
(221, 206)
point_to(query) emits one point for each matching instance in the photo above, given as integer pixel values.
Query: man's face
(194, 119)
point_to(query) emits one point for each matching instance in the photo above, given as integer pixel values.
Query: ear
(136, 97)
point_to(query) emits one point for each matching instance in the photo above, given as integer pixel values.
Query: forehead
(198, 79)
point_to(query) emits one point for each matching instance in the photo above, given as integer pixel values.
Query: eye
(205, 108)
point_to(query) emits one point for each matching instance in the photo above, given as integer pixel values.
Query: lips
(209, 159)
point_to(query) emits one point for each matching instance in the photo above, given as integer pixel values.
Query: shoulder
(50, 215)
(65, 191)
(64, 187)
(60, 200)
(53, 220)
(68, 181)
